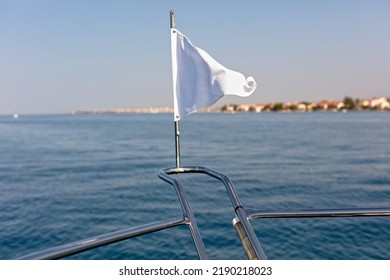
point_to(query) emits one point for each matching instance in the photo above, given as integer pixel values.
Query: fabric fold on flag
(199, 81)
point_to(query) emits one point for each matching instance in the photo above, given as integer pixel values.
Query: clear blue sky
(59, 56)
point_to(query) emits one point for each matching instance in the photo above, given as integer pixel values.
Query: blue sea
(70, 177)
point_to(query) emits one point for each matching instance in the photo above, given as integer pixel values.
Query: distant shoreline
(348, 104)
(214, 111)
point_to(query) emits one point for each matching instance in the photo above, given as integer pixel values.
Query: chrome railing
(241, 222)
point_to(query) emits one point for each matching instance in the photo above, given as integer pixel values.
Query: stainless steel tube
(100, 240)
(317, 213)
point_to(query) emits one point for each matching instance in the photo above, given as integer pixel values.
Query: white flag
(198, 80)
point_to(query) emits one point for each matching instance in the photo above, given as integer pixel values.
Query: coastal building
(301, 107)
(381, 103)
(340, 105)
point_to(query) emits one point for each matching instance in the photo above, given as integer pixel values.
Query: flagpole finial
(172, 16)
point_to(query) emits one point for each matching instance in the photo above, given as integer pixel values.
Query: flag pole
(177, 132)
(177, 144)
